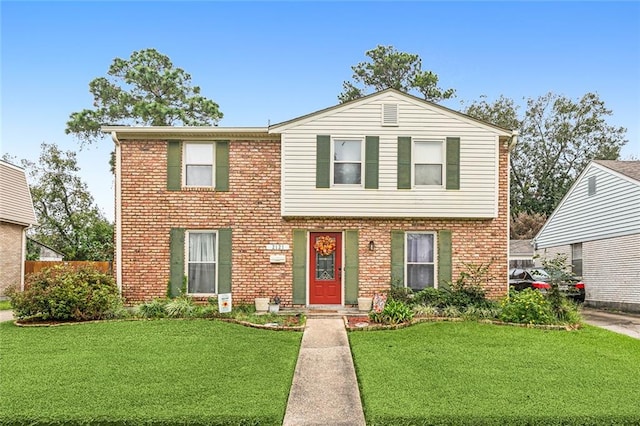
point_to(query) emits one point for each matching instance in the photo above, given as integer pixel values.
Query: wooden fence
(31, 266)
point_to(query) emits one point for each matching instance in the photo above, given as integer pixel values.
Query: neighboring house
(520, 254)
(319, 210)
(46, 253)
(597, 226)
(16, 215)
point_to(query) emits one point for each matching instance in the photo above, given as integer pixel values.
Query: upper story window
(347, 162)
(427, 163)
(201, 262)
(199, 160)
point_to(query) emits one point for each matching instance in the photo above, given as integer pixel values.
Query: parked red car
(538, 279)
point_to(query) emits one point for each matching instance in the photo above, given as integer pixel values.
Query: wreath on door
(325, 245)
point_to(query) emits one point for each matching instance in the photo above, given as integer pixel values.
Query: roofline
(46, 246)
(16, 222)
(592, 163)
(616, 172)
(277, 127)
(195, 132)
(20, 168)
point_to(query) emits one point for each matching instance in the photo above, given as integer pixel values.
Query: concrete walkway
(324, 390)
(6, 316)
(623, 323)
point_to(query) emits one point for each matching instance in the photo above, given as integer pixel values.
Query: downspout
(118, 213)
(510, 146)
(24, 256)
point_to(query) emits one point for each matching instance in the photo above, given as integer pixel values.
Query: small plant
(154, 309)
(394, 312)
(474, 313)
(559, 272)
(527, 307)
(401, 294)
(431, 296)
(426, 311)
(180, 307)
(451, 312)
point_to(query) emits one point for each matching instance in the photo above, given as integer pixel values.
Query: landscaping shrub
(401, 294)
(64, 293)
(154, 309)
(527, 307)
(432, 297)
(180, 307)
(394, 312)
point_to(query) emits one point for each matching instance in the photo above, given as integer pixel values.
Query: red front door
(325, 268)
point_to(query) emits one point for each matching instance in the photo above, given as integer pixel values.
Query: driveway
(622, 323)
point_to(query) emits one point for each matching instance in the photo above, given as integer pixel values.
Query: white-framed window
(199, 161)
(347, 161)
(428, 162)
(201, 255)
(576, 258)
(420, 260)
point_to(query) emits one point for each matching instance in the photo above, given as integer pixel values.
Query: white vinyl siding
(611, 270)
(477, 197)
(613, 210)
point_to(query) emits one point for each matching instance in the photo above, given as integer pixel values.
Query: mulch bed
(361, 323)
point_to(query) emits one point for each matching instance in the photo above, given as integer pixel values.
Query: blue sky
(269, 62)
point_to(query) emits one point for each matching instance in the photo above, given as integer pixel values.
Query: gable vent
(389, 114)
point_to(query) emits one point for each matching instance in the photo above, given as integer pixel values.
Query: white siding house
(391, 118)
(597, 225)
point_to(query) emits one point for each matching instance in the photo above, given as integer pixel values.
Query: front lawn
(145, 372)
(5, 305)
(471, 373)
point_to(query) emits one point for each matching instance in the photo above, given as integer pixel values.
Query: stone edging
(19, 323)
(374, 326)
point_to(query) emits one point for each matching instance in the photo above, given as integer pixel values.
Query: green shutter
(323, 161)
(371, 155)
(174, 165)
(444, 258)
(176, 260)
(299, 266)
(397, 258)
(224, 260)
(222, 165)
(404, 162)
(351, 268)
(453, 163)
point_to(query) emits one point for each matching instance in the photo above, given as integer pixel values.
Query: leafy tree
(558, 137)
(525, 226)
(388, 68)
(147, 90)
(68, 219)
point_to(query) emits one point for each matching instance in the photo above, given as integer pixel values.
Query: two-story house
(385, 190)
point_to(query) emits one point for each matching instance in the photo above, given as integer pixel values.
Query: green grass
(471, 373)
(145, 372)
(5, 305)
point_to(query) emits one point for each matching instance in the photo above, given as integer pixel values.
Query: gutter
(118, 214)
(514, 140)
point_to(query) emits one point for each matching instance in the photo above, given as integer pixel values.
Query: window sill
(198, 188)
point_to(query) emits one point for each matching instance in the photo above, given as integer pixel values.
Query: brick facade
(252, 209)
(11, 255)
